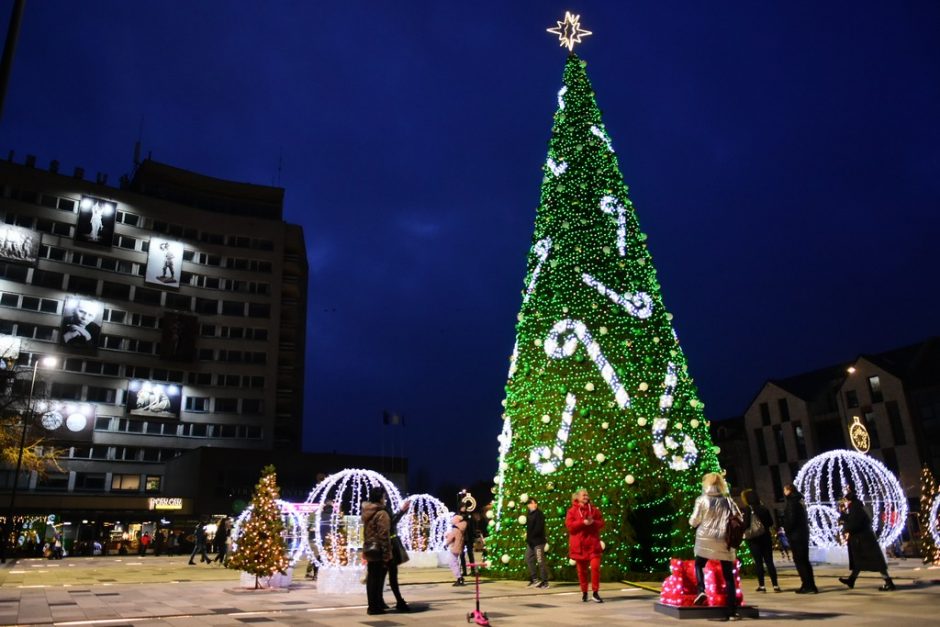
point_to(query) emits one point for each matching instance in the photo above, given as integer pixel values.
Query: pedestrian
(399, 555)
(535, 546)
(376, 525)
(159, 542)
(455, 540)
(796, 523)
(783, 543)
(143, 543)
(584, 523)
(221, 541)
(713, 510)
(467, 504)
(199, 544)
(864, 552)
(758, 526)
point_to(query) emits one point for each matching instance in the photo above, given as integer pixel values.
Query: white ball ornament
(523, 498)
(605, 425)
(546, 419)
(589, 387)
(603, 330)
(511, 504)
(641, 422)
(505, 558)
(644, 386)
(547, 546)
(629, 479)
(694, 422)
(489, 514)
(603, 545)
(656, 340)
(600, 458)
(521, 520)
(571, 562)
(569, 462)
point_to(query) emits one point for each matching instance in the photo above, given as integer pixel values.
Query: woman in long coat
(376, 525)
(584, 523)
(864, 552)
(710, 521)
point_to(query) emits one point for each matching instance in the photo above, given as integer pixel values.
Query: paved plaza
(159, 591)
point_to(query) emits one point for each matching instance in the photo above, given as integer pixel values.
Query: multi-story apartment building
(175, 305)
(895, 395)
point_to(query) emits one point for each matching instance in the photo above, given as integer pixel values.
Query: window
(83, 285)
(125, 483)
(781, 445)
(207, 306)
(800, 440)
(30, 302)
(784, 410)
(761, 447)
(872, 430)
(178, 301)
(851, 398)
(259, 310)
(66, 391)
(48, 305)
(197, 403)
(207, 330)
(9, 300)
(874, 386)
(778, 485)
(199, 378)
(233, 308)
(45, 278)
(894, 420)
(147, 296)
(765, 414)
(89, 481)
(228, 405)
(153, 483)
(54, 481)
(891, 460)
(199, 431)
(252, 405)
(117, 291)
(101, 395)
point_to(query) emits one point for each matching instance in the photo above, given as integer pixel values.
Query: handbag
(734, 532)
(372, 552)
(756, 528)
(399, 554)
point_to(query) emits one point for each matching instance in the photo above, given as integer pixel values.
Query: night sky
(782, 157)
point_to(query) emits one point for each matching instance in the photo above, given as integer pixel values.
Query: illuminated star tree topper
(569, 31)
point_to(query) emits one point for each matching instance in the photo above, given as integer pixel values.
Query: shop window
(125, 483)
(154, 483)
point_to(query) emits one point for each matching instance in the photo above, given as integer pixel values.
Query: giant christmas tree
(599, 395)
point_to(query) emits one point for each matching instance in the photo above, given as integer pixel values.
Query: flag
(393, 419)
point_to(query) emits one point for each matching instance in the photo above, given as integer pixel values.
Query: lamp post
(48, 362)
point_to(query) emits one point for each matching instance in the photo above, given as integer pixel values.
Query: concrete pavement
(166, 591)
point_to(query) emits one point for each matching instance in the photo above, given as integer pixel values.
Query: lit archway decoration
(295, 529)
(822, 480)
(935, 520)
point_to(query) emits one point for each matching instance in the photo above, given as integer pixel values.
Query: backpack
(734, 532)
(756, 528)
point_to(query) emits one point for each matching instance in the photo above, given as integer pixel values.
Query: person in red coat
(584, 523)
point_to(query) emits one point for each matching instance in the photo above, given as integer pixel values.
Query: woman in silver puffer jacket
(710, 521)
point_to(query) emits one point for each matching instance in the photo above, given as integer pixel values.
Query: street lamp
(48, 362)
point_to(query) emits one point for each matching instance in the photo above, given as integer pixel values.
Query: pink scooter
(476, 616)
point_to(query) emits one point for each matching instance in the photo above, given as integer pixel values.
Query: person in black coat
(864, 552)
(399, 555)
(796, 522)
(535, 546)
(758, 538)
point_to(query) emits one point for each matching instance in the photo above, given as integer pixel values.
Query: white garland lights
(419, 529)
(611, 206)
(561, 97)
(295, 528)
(665, 447)
(639, 305)
(934, 522)
(822, 481)
(579, 333)
(541, 250)
(602, 135)
(547, 460)
(505, 442)
(345, 491)
(556, 168)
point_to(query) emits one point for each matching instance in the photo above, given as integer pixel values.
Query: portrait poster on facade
(66, 420)
(96, 218)
(9, 351)
(163, 262)
(153, 399)
(178, 341)
(18, 244)
(81, 322)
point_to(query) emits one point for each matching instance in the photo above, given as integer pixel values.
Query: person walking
(221, 541)
(455, 541)
(796, 523)
(199, 546)
(399, 555)
(710, 518)
(142, 544)
(758, 526)
(864, 552)
(376, 526)
(783, 543)
(159, 542)
(584, 523)
(535, 546)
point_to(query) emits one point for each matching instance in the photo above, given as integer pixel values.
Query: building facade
(175, 306)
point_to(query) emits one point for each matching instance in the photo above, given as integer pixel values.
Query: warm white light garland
(611, 206)
(541, 250)
(666, 447)
(295, 528)
(561, 97)
(935, 520)
(602, 135)
(556, 168)
(505, 443)
(547, 460)
(419, 529)
(823, 479)
(578, 332)
(639, 304)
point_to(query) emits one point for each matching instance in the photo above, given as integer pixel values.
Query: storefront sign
(165, 503)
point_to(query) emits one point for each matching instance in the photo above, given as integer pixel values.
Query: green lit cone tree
(599, 395)
(261, 550)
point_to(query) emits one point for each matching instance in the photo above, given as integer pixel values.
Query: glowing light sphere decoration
(295, 526)
(421, 528)
(335, 526)
(822, 481)
(935, 520)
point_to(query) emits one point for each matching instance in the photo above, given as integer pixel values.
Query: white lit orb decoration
(822, 481)
(336, 524)
(935, 520)
(295, 529)
(421, 528)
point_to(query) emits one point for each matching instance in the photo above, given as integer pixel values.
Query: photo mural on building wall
(81, 322)
(96, 218)
(18, 244)
(66, 420)
(150, 398)
(178, 341)
(163, 262)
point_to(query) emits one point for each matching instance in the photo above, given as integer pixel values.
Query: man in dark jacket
(535, 546)
(199, 546)
(864, 552)
(796, 522)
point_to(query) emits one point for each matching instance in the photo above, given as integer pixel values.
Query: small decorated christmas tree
(260, 548)
(929, 523)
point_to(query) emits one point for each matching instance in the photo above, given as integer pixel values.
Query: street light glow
(49, 361)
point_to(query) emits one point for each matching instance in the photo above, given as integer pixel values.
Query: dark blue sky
(783, 158)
